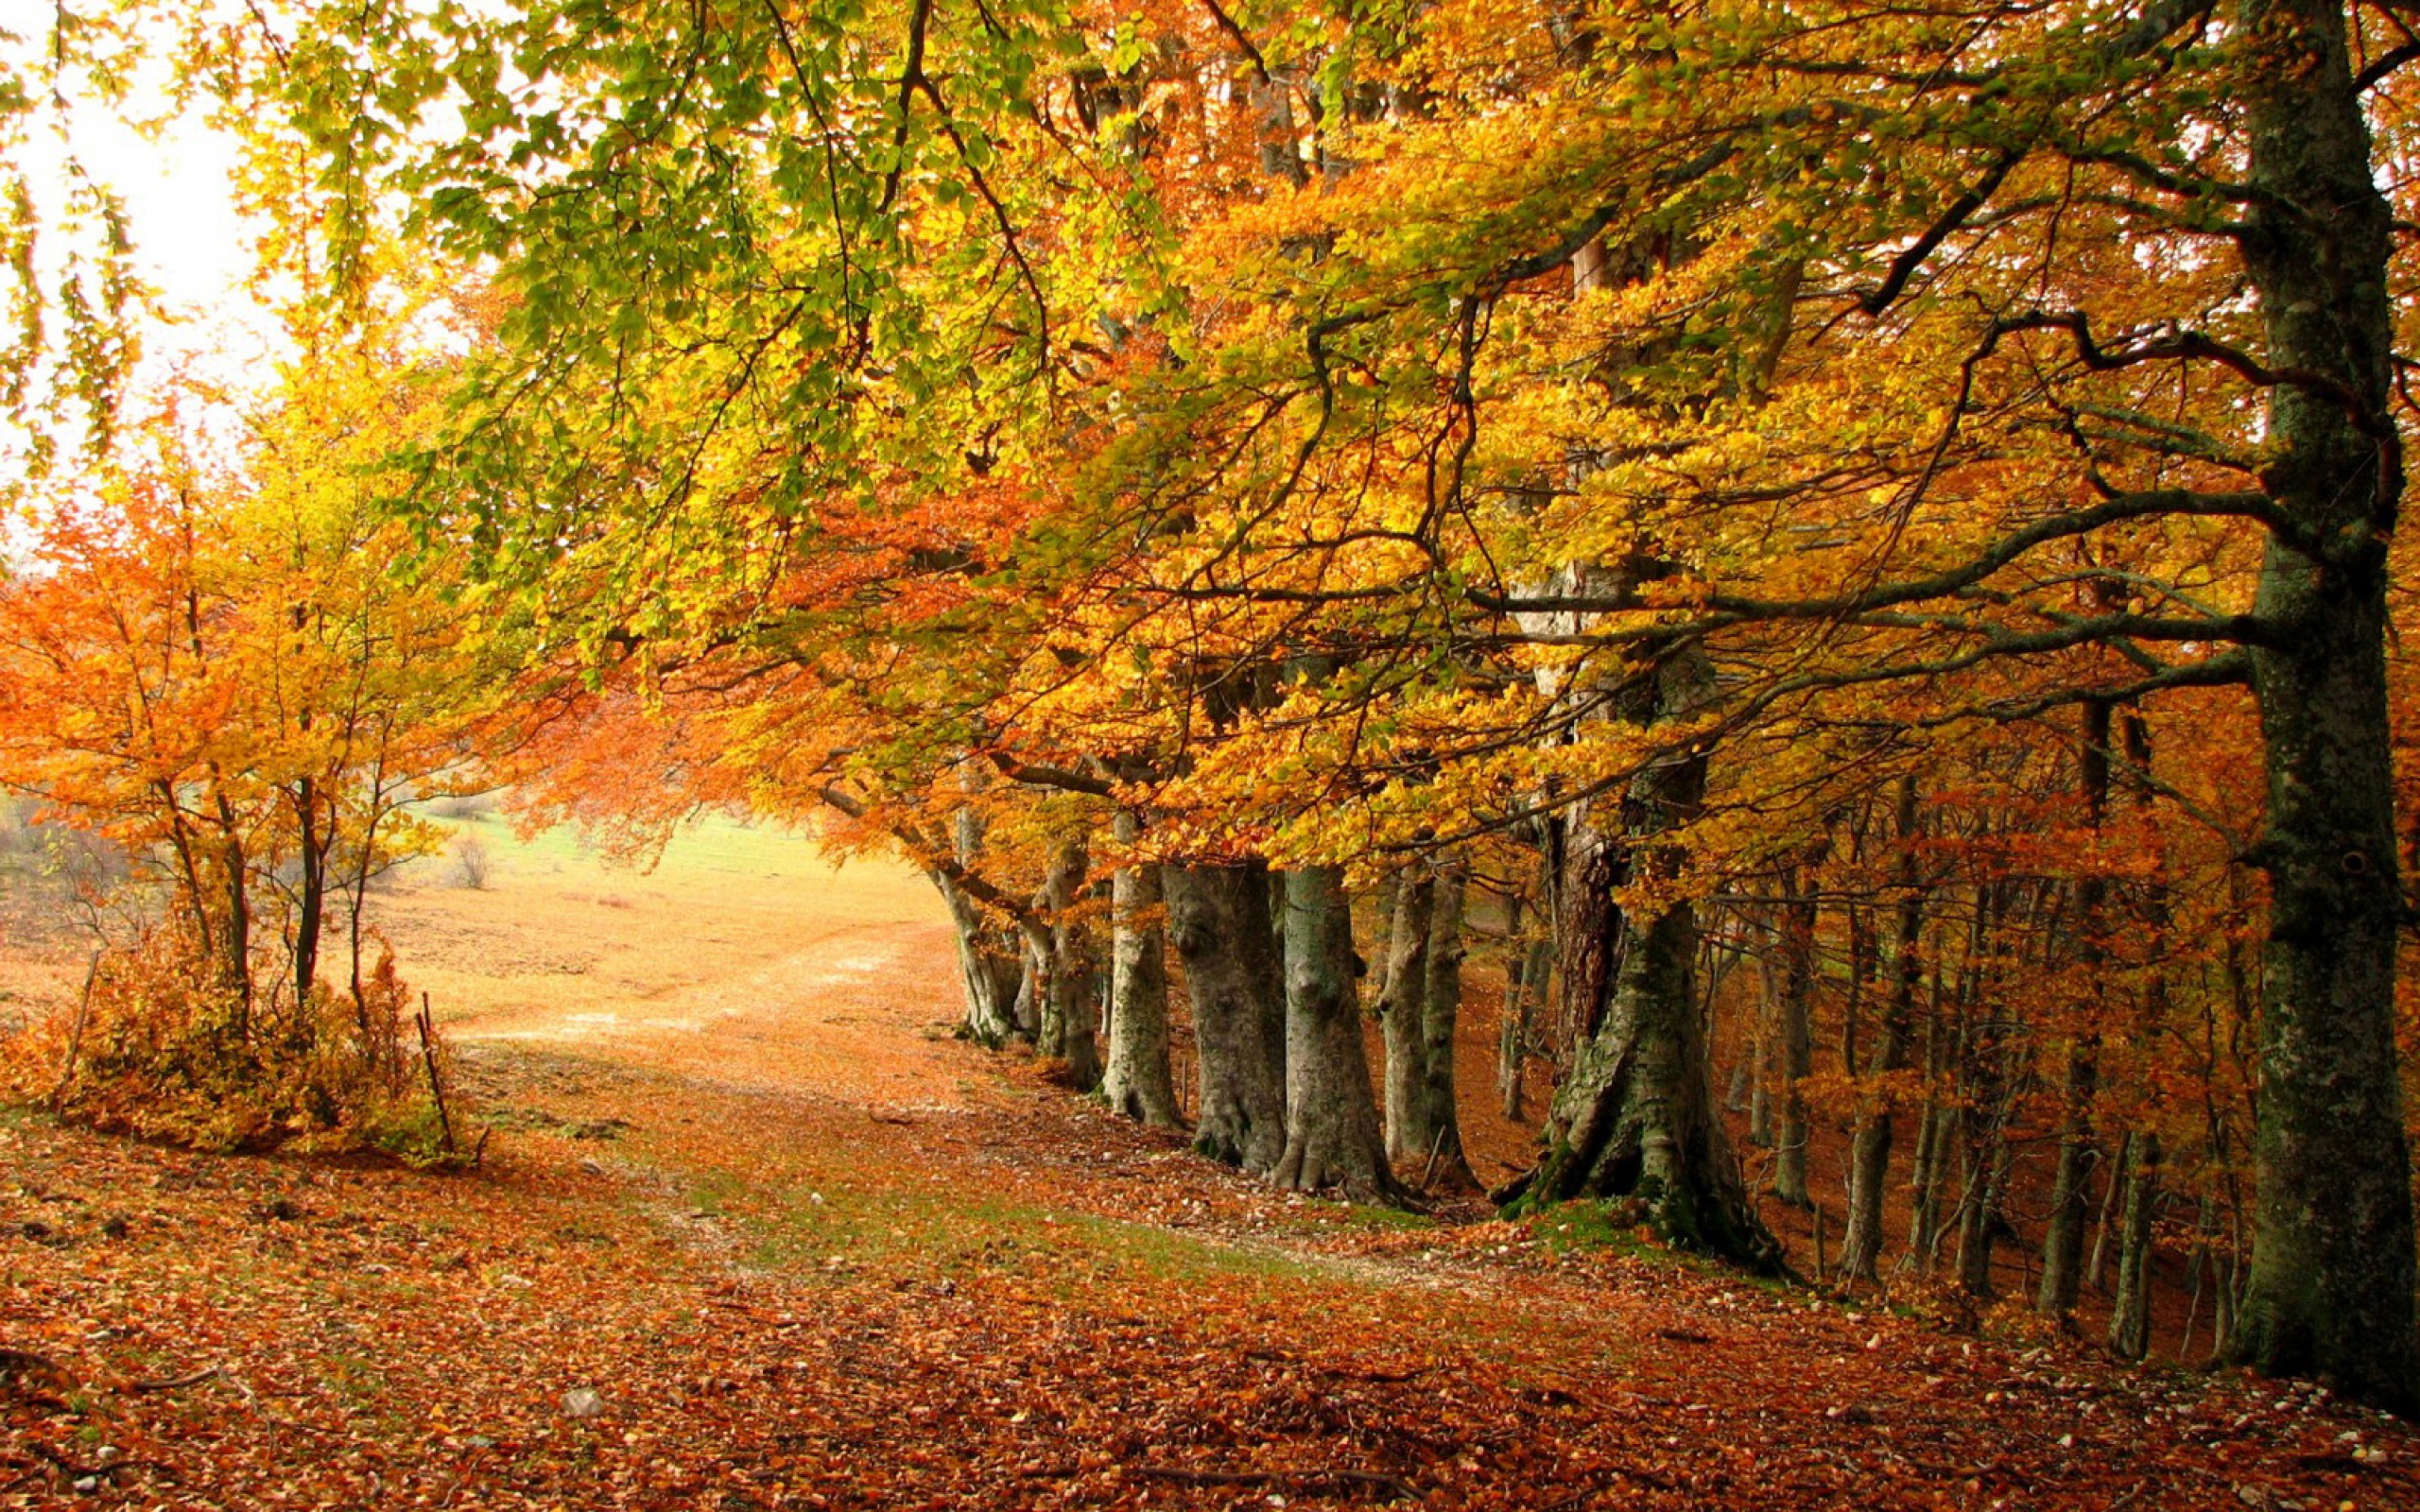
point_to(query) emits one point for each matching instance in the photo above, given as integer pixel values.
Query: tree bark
(2071, 1200)
(2130, 1317)
(1635, 1115)
(311, 894)
(1219, 918)
(991, 953)
(1137, 1080)
(1443, 1163)
(1403, 997)
(1796, 1042)
(2332, 1291)
(1333, 1142)
(1071, 989)
(1870, 1154)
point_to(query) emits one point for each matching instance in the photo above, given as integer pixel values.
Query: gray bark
(1137, 1080)
(1443, 1163)
(991, 953)
(2130, 1317)
(2332, 1270)
(1332, 1138)
(1218, 919)
(1071, 986)
(1403, 997)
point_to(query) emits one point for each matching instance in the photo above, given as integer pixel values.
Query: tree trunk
(2332, 1267)
(311, 896)
(1870, 1156)
(1138, 1081)
(1635, 1115)
(1933, 1127)
(1402, 1002)
(2130, 1317)
(1796, 1036)
(1525, 985)
(990, 963)
(1219, 918)
(1978, 1213)
(1071, 995)
(1443, 1163)
(2070, 1199)
(1332, 1138)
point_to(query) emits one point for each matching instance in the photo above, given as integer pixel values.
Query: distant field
(563, 941)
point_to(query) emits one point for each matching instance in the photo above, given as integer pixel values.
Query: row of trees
(1922, 478)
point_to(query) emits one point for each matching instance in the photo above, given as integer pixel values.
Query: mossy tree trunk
(2332, 1271)
(1635, 1116)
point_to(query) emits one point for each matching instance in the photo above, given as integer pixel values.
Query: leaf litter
(710, 1270)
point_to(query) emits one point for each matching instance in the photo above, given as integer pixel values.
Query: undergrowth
(166, 1044)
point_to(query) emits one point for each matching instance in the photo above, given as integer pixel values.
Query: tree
(1498, 416)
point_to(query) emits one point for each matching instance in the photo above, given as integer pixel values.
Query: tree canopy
(1679, 453)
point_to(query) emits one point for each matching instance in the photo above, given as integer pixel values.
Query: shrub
(164, 1046)
(472, 864)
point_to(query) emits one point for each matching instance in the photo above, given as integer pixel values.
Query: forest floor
(752, 1231)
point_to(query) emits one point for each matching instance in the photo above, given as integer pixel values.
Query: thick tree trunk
(1071, 991)
(1332, 1138)
(1137, 1080)
(1635, 1115)
(2331, 1290)
(1403, 997)
(1219, 918)
(990, 963)
(1590, 933)
(1443, 1163)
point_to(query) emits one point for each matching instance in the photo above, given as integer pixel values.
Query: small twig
(1428, 1172)
(176, 1382)
(76, 1035)
(436, 1090)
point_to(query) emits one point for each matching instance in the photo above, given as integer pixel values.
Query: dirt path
(754, 1233)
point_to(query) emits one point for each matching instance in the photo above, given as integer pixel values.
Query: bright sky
(190, 244)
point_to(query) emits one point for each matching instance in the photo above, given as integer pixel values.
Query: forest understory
(752, 1231)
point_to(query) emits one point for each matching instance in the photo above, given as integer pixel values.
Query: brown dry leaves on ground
(760, 1244)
